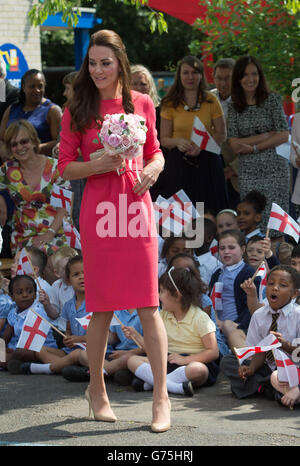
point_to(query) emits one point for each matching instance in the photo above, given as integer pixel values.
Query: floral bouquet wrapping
(123, 134)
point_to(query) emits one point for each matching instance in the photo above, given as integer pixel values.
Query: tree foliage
(268, 30)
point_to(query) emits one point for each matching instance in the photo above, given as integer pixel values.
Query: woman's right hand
(107, 163)
(183, 145)
(3, 211)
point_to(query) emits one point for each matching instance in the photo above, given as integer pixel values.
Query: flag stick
(267, 233)
(256, 271)
(51, 325)
(131, 336)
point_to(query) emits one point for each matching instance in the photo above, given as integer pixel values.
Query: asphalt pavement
(48, 410)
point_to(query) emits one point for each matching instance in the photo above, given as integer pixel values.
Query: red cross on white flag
(24, 264)
(72, 235)
(84, 321)
(279, 220)
(61, 197)
(216, 296)
(268, 343)
(169, 215)
(34, 332)
(185, 204)
(202, 138)
(214, 248)
(262, 272)
(287, 370)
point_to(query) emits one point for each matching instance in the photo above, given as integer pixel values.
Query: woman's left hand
(40, 240)
(148, 177)
(194, 151)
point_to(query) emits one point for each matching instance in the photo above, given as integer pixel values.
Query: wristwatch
(255, 150)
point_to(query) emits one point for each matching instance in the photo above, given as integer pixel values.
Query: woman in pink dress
(116, 221)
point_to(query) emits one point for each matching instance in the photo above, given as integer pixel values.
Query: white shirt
(61, 294)
(288, 324)
(208, 265)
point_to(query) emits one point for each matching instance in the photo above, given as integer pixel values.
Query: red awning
(187, 11)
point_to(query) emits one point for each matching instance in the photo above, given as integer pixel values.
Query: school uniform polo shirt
(129, 320)
(185, 336)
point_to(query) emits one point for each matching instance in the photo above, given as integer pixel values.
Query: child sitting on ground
(61, 290)
(44, 295)
(192, 344)
(54, 359)
(234, 317)
(280, 316)
(22, 290)
(185, 261)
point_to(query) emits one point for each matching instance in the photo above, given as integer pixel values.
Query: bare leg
(236, 338)
(156, 344)
(96, 345)
(59, 359)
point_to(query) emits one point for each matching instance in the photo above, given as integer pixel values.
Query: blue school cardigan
(244, 316)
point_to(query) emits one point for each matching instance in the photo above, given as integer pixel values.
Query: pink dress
(117, 227)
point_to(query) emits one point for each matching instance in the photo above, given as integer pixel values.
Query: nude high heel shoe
(98, 417)
(159, 427)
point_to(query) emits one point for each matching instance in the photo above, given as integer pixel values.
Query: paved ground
(49, 410)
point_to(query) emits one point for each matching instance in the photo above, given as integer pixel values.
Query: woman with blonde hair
(29, 177)
(142, 81)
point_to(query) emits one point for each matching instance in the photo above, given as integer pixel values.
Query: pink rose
(114, 140)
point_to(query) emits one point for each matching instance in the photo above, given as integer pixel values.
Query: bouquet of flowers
(123, 134)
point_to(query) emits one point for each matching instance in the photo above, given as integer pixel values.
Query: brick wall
(15, 28)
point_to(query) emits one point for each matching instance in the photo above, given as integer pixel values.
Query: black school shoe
(267, 391)
(137, 384)
(188, 388)
(123, 377)
(17, 367)
(75, 373)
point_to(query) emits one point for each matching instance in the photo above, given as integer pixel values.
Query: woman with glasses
(29, 176)
(198, 172)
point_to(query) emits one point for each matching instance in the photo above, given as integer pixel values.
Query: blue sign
(16, 65)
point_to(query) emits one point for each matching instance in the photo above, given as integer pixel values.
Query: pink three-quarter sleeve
(151, 146)
(69, 143)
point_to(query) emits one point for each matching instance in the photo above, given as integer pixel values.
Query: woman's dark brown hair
(175, 95)
(237, 93)
(84, 107)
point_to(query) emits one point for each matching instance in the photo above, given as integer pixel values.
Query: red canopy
(187, 11)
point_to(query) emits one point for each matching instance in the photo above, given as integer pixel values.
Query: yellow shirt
(185, 336)
(183, 120)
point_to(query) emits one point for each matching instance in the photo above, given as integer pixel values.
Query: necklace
(187, 108)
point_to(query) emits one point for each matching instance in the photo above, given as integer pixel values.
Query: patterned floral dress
(265, 171)
(33, 213)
